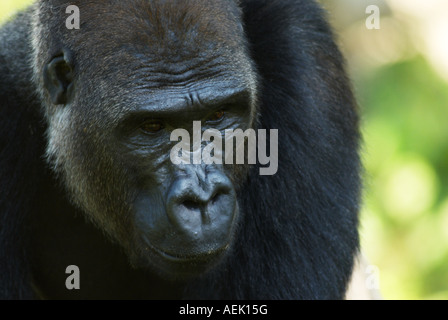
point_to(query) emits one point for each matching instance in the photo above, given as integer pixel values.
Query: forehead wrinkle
(178, 18)
(166, 26)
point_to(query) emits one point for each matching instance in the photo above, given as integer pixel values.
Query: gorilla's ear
(58, 78)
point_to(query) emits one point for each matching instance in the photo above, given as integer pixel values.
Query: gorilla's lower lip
(201, 257)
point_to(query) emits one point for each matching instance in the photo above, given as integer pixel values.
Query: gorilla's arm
(21, 139)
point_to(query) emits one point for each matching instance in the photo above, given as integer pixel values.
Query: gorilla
(85, 172)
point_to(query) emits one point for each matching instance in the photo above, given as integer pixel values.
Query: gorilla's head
(109, 126)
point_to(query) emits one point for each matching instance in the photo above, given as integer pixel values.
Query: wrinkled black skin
(296, 235)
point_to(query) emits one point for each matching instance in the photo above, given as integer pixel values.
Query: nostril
(215, 198)
(195, 204)
(219, 193)
(194, 198)
(190, 205)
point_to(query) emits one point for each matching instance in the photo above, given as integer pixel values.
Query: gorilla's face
(116, 92)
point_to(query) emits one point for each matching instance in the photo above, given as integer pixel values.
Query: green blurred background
(400, 76)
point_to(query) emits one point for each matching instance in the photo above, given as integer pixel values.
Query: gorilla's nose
(202, 205)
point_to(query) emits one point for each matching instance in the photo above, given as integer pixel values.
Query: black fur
(298, 237)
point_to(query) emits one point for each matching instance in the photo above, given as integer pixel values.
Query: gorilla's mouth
(178, 267)
(191, 258)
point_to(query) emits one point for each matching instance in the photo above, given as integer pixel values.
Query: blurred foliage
(405, 216)
(10, 7)
(405, 125)
(402, 91)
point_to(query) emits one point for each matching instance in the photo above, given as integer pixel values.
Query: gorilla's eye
(152, 126)
(217, 116)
